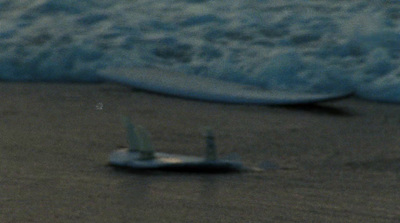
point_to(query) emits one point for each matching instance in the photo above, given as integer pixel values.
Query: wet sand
(340, 160)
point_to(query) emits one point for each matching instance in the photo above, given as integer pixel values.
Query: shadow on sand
(321, 110)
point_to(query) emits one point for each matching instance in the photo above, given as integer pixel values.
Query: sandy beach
(340, 160)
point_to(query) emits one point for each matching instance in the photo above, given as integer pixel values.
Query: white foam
(300, 45)
(384, 89)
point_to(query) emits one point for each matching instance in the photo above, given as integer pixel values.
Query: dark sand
(340, 160)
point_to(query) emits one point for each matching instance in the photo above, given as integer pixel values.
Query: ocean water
(295, 45)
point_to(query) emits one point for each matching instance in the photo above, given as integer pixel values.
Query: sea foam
(296, 45)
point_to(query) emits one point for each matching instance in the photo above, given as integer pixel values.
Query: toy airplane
(141, 156)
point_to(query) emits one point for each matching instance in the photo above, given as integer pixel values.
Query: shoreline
(340, 159)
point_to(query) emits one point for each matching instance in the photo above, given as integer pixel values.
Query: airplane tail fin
(145, 147)
(211, 151)
(138, 140)
(131, 134)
